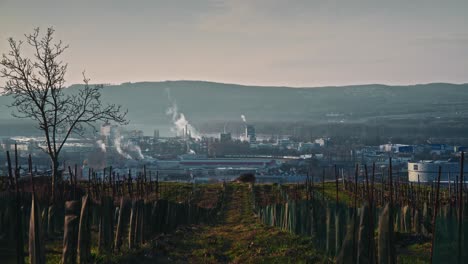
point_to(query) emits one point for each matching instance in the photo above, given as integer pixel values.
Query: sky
(257, 42)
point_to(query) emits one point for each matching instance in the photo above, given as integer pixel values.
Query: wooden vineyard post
(312, 186)
(111, 186)
(365, 235)
(371, 217)
(390, 178)
(355, 186)
(19, 229)
(145, 182)
(106, 225)
(130, 187)
(372, 185)
(336, 183)
(103, 188)
(36, 246)
(157, 185)
(355, 212)
(386, 248)
(132, 225)
(456, 190)
(138, 182)
(70, 236)
(391, 237)
(121, 222)
(118, 187)
(431, 194)
(323, 184)
(449, 186)
(382, 183)
(367, 184)
(95, 182)
(10, 173)
(89, 181)
(150, 182)
(31, 172)
(84, 232)
(71, 181)
(16, 166)
(460, 208)
(75, 182)
(123, 185)
(417, 191)
(434, 217)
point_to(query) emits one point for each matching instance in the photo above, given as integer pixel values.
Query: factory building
(187, 162)
(232, 163)
(396, 148)
(250, 133)
(110, 133)
(428, 171)
(225, 137)
(322, 142)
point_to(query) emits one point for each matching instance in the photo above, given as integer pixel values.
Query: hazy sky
(266, 42)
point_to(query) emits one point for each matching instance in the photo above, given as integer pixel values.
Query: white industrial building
(428, 170)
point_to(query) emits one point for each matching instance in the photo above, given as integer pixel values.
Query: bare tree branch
(37, 86)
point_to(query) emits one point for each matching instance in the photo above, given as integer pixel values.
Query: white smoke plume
(179, 120)
(136, 149)
(243, 137)
(101, 145)
(118, 147)
(243, 118)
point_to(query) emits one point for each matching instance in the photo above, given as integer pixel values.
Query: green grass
(415, 253)
(204, 195)
(238, 238)
(330, 193)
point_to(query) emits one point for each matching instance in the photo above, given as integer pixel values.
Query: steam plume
(179, 120)
(118, 147)
(101, 145)
(136, 149)
(243, 118)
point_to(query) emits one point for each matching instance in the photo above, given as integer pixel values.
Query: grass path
(239, 237)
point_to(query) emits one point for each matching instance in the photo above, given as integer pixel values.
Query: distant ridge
(203, 101)
(279, 86)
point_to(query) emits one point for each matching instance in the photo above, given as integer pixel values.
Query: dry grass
(238, 238)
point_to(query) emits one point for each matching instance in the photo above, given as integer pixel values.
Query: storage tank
(429, 170)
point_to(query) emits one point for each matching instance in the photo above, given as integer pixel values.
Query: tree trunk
(55, 176)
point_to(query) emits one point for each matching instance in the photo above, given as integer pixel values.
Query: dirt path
(238, 238)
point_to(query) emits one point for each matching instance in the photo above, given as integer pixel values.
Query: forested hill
(203, 102)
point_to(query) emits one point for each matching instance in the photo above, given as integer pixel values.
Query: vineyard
(361, 221)
(136, 218)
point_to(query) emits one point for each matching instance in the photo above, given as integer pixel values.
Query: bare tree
(37, 86)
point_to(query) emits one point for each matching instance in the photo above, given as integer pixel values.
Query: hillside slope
(203, 102)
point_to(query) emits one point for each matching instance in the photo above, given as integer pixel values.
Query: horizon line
(274, 86)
